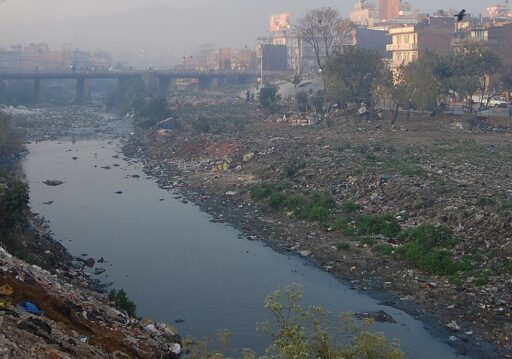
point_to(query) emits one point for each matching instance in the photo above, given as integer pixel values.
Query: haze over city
(152, 25)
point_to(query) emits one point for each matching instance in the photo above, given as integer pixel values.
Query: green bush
(13, 205)
(342, 246)
(351, 207)
(265, 190)
(428, 247)
(385, 224)
(383, 249)
(343, 224)
(122, 302)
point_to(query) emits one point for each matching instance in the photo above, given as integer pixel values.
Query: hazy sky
(153, 24)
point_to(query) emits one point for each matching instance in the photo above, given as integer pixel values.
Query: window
(406, 39)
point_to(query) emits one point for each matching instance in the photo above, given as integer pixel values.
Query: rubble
(49, 317)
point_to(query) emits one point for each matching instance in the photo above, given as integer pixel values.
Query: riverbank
(50, 303)
(439, 171)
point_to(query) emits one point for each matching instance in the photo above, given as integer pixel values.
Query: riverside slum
(50, 305)
(421, 210)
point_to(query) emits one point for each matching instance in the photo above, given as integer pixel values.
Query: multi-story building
(433, 34)
(389, 9)
(499, 39)
(364, 13)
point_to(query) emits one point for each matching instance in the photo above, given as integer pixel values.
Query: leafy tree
(11, 141)
(269, 97)
(129, 96)
(396, 90)
(14, 199)
(472, 64)
(353, 74)
(302, 101)
(153, 110)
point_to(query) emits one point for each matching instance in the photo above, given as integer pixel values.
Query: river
(173, 261)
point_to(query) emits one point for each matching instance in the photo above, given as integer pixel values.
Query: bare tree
(324, 31)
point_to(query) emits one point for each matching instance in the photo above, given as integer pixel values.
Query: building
(499, 40)
(389, 9)
(371, 39)
(364, 13)
(244, 60)
(408, 42)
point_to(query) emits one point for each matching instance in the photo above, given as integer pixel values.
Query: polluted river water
(176, 264)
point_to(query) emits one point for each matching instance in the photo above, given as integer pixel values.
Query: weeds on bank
(426, 246)
(122, 302)
(301, 332)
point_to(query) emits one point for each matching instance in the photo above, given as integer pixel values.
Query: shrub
(343, 224)
(383, 249)
(342, 246)
(294, 166)
(386, 224)
(122, 302)
(427, 247)
(265, 190)
(351, 207)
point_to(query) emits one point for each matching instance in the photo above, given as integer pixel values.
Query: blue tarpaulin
(31, 308)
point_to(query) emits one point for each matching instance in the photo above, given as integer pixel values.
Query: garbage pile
(43, 315)
(48, 123)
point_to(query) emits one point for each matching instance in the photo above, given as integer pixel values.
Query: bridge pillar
(204, 83)
(37, 90)
(80, 91)
(151, 81)
(166, 84)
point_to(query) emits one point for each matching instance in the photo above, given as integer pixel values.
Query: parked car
(497, 102)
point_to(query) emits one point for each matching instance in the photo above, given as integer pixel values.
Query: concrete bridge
(155, 80)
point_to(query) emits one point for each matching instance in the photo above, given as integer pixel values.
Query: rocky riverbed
(449, 171)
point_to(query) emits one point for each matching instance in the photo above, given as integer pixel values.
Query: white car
(497, 102)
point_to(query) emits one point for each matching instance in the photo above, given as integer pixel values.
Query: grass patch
(342, 246)
(382, 248)
(265, 190)
(428, 247)
(507, 266)
(385, 224)
(351, 207)
(310, 205)
(484, 201)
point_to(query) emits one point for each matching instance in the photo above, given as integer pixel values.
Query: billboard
(274, 57)
(279, 22)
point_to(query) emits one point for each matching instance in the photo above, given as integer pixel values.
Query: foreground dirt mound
(64, 321)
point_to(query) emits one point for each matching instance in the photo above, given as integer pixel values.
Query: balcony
(401, 47)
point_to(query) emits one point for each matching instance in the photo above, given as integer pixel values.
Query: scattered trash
(30, 308)
(53, 183)
(98, 271)
(453, 326)
(89, 262)
(6, 289)
(378, 316)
